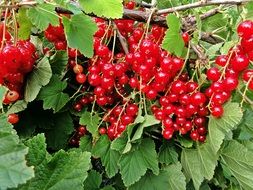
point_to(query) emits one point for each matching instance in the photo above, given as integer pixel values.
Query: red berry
(12, 96)
(221, 60)
(247, 74)
(13, 118)
(213, 74)
(194, 135)
(168, 133)
(78, 69)
(186, 37)
(81, 78)
(239, 63)
(245, 29)
(217, 111)
(102, 130)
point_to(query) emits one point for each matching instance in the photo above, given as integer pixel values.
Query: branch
(202, 3)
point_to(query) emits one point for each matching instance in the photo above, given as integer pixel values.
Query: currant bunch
(16, 61)
(230, 68)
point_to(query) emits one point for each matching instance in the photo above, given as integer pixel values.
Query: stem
(4, 28)
(244, 92)
(15, 24)
(201, 4)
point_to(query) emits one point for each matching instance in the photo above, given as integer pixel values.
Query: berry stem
(15, 25)
(245, 90)
(4, 28)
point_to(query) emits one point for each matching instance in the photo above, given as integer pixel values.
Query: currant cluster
(15, 62)
(79, 132)
(229, 68)
(56, 35)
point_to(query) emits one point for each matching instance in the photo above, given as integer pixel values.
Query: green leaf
(58, 135)
(25, 25)
(169, 178)
(93, 180)
(18, 106)
(173, 41)
(79, 31)
(13, 168)
(59, 62)
(2, 93)
(238, 160)
(65, 170)
(149, 120)
(91, 122)
(39, 77)
(219, 128)
(52, 94)
(86, 143)
(167, 153)
(120, 143)
(134, 164)
(109, 157)
(42, 15)
(199, 163)
(103, 8)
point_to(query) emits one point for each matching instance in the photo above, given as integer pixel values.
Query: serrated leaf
(120, 143)
(238, 160)
(86, 143)
(173, 41)
(18, 106)
(169, 178)
(25, 25)
(149, 120)
(13, 168)
(42, 15)
(58, 135)
(59, 62)
(52, 94)
(134, 164)
(103, 8)
(91, 122)
(219, 128)
(39, 77)
(79, 31)
(65, 170)
(93, 181)
(109, 157)
(167, 153)
(199, 163)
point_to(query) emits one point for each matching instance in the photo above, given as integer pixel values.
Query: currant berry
(13, 118)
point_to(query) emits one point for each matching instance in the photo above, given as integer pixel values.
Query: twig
(202, 3)
(122, 40)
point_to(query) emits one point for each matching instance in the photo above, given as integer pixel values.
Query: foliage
(55, 145)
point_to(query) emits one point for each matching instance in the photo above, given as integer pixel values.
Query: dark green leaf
(169, 178)
(65, 170)
(79, 31)
(39, 77)
(91, 122)
(134, 164)
(13, 168)
(59, 62)
(52, 94)
(109, 157)
(167, 153)
(93, 181)
(58, 135)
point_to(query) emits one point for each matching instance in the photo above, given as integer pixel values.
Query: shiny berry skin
(239, 63)
(202, 130)
(78, 69)
(202, 138)
(213, 74)
(186, 37)
(12, 96)
(198, 99)
(178, 87)
(245, 29)
(78, 107)
(81, 78)
(151, 94)
(102, 131)
(247, 44)
(217, 111)
(194, 135)
(247, 74)
(13, 118)
(167, 122)
(132, 109)
(250, 85)
(221, 60)
(168, 133)
(230, 83)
